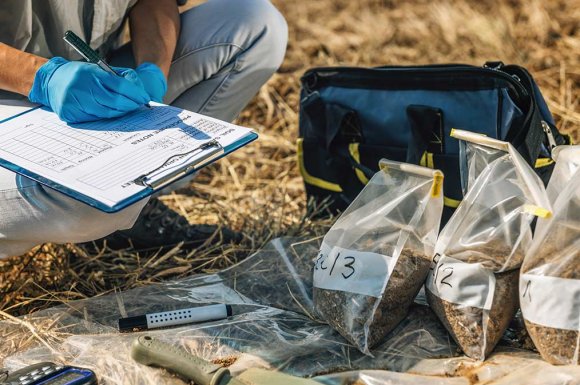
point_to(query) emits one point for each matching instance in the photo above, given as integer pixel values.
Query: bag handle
(340, 123)
(528, 142)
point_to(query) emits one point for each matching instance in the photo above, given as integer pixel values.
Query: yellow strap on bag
(543, 162)
(353, 148)
(311, 179)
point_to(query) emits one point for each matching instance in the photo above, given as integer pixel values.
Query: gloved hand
(153, 79)
(81, 92)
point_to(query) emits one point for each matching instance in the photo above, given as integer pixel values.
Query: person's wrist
(39, 91)
(29, 73)
(153, 68)
(153, 79)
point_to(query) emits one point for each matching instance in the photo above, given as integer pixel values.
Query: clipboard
(151, 180)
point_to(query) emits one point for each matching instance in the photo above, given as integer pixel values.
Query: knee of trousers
(255, 26)
(270, 32)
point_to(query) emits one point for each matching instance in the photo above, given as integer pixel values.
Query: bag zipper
(549, 135)
(498, 68)
(311, 77)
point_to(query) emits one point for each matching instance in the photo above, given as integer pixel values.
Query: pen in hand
(88, 53)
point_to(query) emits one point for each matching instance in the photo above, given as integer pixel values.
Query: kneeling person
(211, 59)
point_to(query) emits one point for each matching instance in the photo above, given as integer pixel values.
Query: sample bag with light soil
(473, 282)
(550, 276)
(374, 260)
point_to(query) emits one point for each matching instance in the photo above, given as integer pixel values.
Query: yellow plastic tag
(537, 211)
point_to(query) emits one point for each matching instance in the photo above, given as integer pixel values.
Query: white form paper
(101, 159)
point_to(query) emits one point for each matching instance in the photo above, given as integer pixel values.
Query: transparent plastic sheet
(374, 259)
(84, 333)
(550, 280)
(473, 285)
(270, 293)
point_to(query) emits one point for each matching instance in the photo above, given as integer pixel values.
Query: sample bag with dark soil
(550, 274)
(374, 260)
(473, 282)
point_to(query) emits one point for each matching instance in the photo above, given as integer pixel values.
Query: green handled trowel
(150, 351)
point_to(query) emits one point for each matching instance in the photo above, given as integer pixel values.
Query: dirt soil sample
(225, 361)
(557, 346)
(351, 313)
(475, 330)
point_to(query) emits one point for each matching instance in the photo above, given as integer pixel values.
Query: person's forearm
(154, 32)
(17, 69)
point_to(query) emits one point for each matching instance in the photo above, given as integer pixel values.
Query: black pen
(175, 317)
(86, 51)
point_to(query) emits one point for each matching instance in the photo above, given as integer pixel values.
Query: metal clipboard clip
(208, 151)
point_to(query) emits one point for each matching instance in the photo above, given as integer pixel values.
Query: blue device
(47, 373)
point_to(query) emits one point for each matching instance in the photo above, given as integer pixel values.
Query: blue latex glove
(81, 92)
(153, 79)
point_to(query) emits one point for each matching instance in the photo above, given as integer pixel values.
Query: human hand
(153, 80)
(81, 92)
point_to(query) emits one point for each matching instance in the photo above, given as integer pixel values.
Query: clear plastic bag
(550, 276)
(374, 260)
(567, 163)
(473, 284)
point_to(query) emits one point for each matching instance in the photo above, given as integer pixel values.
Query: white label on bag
(467, 284)
(361, 272)
(550, 301)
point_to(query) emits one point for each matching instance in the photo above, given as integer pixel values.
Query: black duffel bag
(350, 118)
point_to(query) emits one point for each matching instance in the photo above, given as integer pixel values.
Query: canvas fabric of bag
(374, 259)
(351, 117)
(473, 283)
(550, 274)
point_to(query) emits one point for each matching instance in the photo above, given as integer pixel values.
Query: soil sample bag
(374, 260)
(550, 278)
(473, 283)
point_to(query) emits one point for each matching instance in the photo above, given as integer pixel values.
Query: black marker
(175, 317)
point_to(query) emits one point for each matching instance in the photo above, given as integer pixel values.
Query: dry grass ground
(258, 190)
